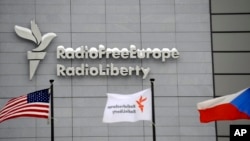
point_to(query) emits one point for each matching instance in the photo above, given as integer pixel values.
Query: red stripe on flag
(25, 115)
(221, 112)
(31, 108)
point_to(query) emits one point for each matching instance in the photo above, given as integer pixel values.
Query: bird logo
(140, 103)
(42, 42)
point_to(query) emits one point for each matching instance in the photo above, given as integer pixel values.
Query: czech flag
(229, 107)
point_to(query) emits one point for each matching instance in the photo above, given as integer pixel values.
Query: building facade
(230, 49)
(212, 37)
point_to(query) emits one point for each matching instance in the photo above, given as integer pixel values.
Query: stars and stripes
(35, 104)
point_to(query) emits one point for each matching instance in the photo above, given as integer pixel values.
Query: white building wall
(80, 101)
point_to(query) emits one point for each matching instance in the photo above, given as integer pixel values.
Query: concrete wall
(80, 101)
(230, 47)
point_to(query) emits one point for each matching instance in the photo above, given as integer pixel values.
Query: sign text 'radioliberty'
(84, 52)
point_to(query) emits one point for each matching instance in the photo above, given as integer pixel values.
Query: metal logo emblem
(42, 42)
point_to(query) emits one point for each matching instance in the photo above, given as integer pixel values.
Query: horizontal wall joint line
(230, 31)
(231, 73)
(245, 13)
(231, 51)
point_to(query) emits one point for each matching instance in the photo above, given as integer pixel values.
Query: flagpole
(52, 109)
(153, 108)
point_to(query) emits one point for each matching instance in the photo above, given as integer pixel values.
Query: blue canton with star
(38, 96)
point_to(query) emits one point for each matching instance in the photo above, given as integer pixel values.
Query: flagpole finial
(152, 79)
(51, 81)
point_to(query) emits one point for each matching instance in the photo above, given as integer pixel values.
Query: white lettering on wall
(84, 52)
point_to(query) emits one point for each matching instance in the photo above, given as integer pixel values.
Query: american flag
(35, 104)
